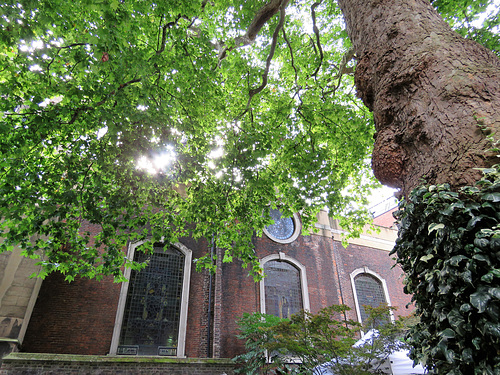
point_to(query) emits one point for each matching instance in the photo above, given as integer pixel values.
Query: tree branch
(164, 34)
(121, 87)
(291, 57)
(316, 32)
(343, 69)
(86, 108)
(263, 15)
(68, 46)
(276, 32)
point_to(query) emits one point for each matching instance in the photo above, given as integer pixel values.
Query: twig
(343, 69)
(291, 56)
(68, 46)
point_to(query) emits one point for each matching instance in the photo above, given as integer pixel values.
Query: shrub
(299, 344)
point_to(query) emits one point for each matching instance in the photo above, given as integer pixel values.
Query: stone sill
(46, 357)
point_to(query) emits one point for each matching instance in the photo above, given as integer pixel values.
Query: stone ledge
(64, 364)
(46, 357)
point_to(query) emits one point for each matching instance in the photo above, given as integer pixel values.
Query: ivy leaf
(443, 347)
(492, 197)
(435, 226)
(482, 258)
(495, 292)
(467, 355)
(455, 260)
(480, 300)
(448, 333)
(493, 329)
(426, 258)
(472, 222)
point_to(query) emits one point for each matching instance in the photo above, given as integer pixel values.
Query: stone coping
(47, 357)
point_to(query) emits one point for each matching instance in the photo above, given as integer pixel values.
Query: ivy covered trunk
(435, 95)
(449, 247)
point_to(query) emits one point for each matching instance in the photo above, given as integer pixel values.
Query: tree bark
(435, 95)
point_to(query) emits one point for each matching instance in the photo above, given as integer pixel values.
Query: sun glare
(159, 163)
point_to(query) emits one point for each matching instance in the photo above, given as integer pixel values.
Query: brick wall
(241, 294)
(198, 304)
(79, 318)
(73, 319)
(379, 261)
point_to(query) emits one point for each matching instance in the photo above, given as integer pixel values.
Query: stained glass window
(152, 310)
(283, 227)
(369, 292)
(283, 291)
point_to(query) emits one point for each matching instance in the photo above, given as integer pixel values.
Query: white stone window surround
(293, 237)
(181, 346)
(303, 279)
(366, 270)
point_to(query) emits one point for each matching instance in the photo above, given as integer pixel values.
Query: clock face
(283, 227)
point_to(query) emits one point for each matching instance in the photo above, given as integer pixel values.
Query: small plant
(306, 341)
(256, 330)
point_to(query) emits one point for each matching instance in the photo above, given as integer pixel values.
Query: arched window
(369, 290)
(153, 305)
(284, 289)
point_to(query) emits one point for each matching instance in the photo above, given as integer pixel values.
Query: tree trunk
(435, 95)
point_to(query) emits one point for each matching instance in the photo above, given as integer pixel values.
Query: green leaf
(448, 333)
(473, 222)
(495, 292)
(435, 226)
(493, 329)
(480, 300)
(426, 258)
(492, 197)
(114, 4)
(455, 260)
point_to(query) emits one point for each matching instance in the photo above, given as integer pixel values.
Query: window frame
(120, 311)
(298, 228)
(366, 270)
(302, 274)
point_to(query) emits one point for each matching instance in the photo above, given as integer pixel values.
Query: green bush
(449, 248)
(299, 344)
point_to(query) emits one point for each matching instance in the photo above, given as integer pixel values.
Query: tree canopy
(161, 120)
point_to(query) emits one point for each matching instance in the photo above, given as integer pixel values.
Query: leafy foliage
(305, 341)
(233, 108)
(463, 16)
(449, 247)
(88, 90)
(257, 331)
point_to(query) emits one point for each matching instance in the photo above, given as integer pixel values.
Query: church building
(168, 318)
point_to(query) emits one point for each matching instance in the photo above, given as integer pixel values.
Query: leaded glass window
(152, 309)
(283, 227)
(282, 288)
(369, 292)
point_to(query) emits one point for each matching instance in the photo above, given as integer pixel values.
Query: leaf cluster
(449, 248)
(463, 15)
(88, 89)
(253, 116)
